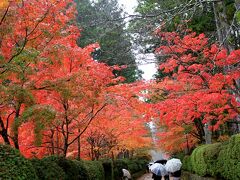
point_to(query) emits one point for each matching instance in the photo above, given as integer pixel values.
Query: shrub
(187, 165)
(94, 169)
(82, 170)
(203, 159)
(134, 165)
(119, 164)
(108, 169)
(73, 169)
(137, 165)
(228, 162)
(47, 169)
(14, 166)
(219, 159)
(197, 160)
(211, 153)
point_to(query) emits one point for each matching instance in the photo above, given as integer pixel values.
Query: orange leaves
(4, 3)
(198, 87)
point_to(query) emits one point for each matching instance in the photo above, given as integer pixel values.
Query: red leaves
(200, 89)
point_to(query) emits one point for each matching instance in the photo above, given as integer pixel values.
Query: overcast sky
(129, 5)
(148, 68)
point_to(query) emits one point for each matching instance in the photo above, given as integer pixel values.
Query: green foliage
(228, 161)
(134, 165)
(211, 153)
(73, 169)
(119, 164)
(218, 159)
(197, 160)
(140, 163)
(47, 169)
(14, 166)
(42, 115)
(108, 169)
(230, 10)
(187, 165)
(203, 159)
(179, 155)
(95, 170)
(101, 22)
(238, 17)
(82, 170)
(203, 23)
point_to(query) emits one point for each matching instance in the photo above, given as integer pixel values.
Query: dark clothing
(177, 173)
(166, 177)
(155, 177)
(147, 168)
(162, 161)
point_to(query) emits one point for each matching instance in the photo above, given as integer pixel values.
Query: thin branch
(8, 119)
(93, 116)
(5, 14)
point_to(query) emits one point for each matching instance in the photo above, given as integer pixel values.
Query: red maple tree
(199, 89)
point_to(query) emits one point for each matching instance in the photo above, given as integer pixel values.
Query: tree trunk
(217, 23)
(4, 132)
(4, 135)
(79, 146)
(57, 142)
(200, 129)
(65, 149)
(16, 126)
(52, 142)
(208, 134)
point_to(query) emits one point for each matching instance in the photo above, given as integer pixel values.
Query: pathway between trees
(185, 176)
(148, 177)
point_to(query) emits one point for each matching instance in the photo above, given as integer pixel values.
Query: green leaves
(41, 115)
(103, 22)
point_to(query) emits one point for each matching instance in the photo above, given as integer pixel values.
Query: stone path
(148, 177)
(185, 176)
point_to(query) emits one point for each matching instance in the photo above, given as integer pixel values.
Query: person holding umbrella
(126, 174)
(158, 170)
(163, 162)
(174, 167)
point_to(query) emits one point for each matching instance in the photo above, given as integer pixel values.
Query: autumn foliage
(54, 96)
(199, 89)
(56, 99)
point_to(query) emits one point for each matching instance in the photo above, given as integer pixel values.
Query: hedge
(228, 162)
(73, 169)
(118, 165)
(94, 169)
(210, 157)
(47, 169)
(187, 165)
(108, 169)
(219, 159)
(14, 166)
(134, 165)
(85, 170)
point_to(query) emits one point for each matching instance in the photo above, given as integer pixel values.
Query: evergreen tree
(102, 21)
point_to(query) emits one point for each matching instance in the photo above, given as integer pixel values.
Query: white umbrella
(158, 169)
(126, 173)
(173, 165)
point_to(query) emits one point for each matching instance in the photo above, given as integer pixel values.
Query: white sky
(129, 5)
(148, 68)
